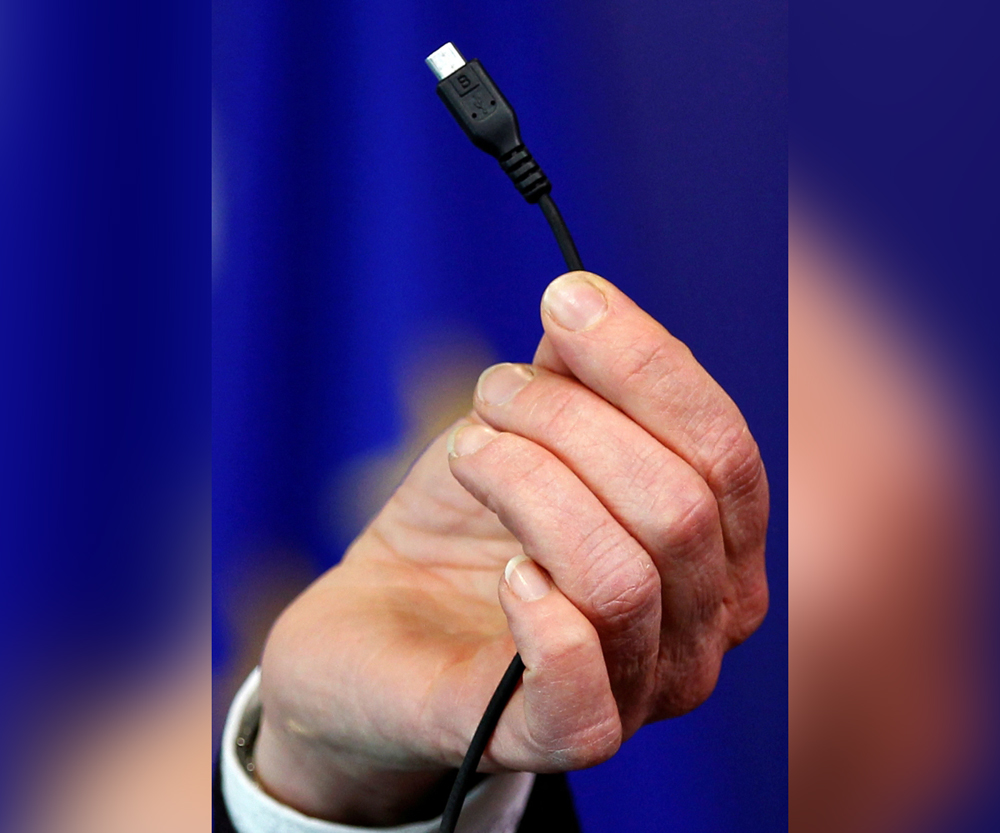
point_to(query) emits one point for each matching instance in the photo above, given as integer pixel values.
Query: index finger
(623, 354)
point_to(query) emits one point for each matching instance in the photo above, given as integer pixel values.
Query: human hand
(613, 491)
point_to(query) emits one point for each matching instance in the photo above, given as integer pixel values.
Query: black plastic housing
(491, 123)
(480, 108)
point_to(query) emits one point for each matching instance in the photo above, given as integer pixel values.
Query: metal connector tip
(445, 61)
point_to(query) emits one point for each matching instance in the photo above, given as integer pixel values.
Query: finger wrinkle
(598, 544)
(639, 365)
(556, 408)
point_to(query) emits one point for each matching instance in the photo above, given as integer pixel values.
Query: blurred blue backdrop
(368, 261)
(104, 373)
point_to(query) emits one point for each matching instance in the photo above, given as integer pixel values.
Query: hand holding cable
(601, 511)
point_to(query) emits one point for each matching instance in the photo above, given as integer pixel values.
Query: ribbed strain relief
(529, 179)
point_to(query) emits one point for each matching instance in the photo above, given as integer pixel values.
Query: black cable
(490, 122)
(563, 237)
(484, 731)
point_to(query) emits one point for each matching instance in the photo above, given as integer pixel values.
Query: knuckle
(736, 470)
(621, 581)
(627, 592)
(691, 515)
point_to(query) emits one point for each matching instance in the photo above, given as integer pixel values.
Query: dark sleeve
(549, 810)
(550, 807)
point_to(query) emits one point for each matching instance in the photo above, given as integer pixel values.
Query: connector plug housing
(487, 119)
(480, 108)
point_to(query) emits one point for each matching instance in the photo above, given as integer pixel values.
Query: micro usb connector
(490, 122)
(487, 118)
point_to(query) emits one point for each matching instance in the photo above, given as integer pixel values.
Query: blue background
(105, 265)
(353, 219)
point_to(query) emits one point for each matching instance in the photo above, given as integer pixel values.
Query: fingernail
(468, 439)
(500, 383)
(574, 302)
(526, 579)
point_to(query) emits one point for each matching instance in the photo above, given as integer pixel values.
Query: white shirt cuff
(495, 806)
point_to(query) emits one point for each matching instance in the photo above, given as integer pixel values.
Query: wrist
(324, 783)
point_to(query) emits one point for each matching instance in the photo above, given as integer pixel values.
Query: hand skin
(613, 492)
